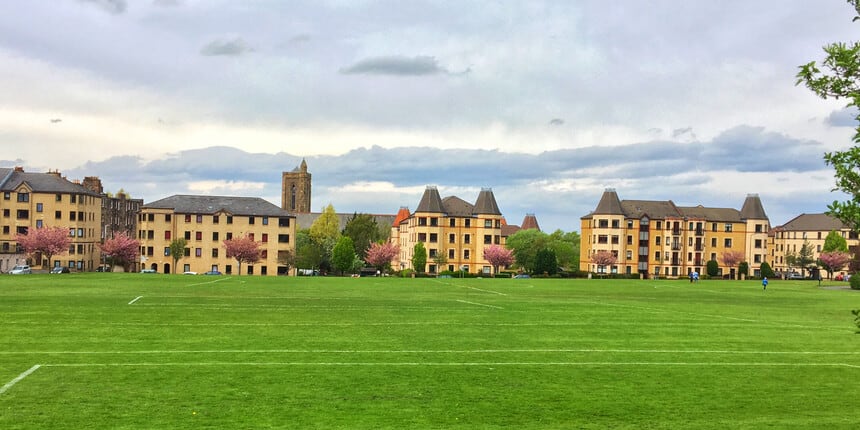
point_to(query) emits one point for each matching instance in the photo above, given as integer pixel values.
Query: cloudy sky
(546, 102)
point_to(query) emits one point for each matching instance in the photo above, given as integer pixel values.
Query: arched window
(293, 197)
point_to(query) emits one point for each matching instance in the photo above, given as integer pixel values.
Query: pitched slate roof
(486, 203)
(813, 222)
(213, 204)
(430, 201)
(653, 208)
(11, 179)
(530, 222)
(455, 206)
(752, 208)
(712, 214)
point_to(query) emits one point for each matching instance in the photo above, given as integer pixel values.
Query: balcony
(700, 232)
(676, 231)
(676, 261)
(676, 246)
(699, 247)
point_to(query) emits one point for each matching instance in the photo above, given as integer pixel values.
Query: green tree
(835, 242)
(325, 231)
(546, 262)
(343, 255)
(566, 247)
(840, 78)
(744, 268)
(419, 257)
(309, 254)
(363, 230)
(804, 257)
(177, 250)
(526, 244)
(713, 268)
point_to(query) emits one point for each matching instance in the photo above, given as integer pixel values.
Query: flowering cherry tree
(604, 259)
(732, 258)
(121, 249)
(243, 249)
(498, 256)
(49, 241)
(835, 260)
(381, 254)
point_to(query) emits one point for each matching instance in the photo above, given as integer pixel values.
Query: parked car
(522, 276)
(795, 275)
(60, 269)
(21, 269)
(212, 272)
(148, 271)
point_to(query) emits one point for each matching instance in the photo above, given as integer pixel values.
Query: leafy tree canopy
(835, 242)
(363, 230)
(419, 257)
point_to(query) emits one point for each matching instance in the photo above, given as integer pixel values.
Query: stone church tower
(296, 189)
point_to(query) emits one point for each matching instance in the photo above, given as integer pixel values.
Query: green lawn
(164, 351)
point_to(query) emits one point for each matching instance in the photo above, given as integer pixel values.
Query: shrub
(856, 313)
(855, 281)
(766, 271)
(744, 269)
(713, 268)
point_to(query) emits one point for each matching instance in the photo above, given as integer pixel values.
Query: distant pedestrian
(691, 277)
(695, 277)
(764, 283)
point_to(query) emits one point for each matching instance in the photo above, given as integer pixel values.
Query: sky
(548, 103)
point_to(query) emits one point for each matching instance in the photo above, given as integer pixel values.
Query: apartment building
(806, 228)
(205, 222)
(37, 200)
(454, 232)
(659, 238)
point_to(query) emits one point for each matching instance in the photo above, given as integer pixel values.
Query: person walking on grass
(764, 283)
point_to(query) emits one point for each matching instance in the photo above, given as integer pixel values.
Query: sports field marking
(208, 282)
(135, 299)
(480, 304)
(19, 378)
(457, 364)
(471, 288)
(437, 351)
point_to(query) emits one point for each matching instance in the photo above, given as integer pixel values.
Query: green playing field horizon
(114, 350)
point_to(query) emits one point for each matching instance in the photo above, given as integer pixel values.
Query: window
(657, 255)
(727, 243)
(713, 242)
(265, 238)
(602, 223)
(713, 226)
(759, 227)
(167, 251)
(265, 220)
(215, 252)
(467, 238)
(422, 237)
(422, 221)
(58, 197)
(71, 232)
(284, 222)
(187, 235)
(198, 252)
(434, 237)
(452, 238)
(7, 195)
(757, 258)
(58, 214)
(229, 235)
(198, 218)
(758, 244)
(74, 198)
(251, 220)
(187, 217)
(602, 238)
(38, 223)
(215, 219)
(434, 222)
(488, 239)
(451, 254)
(215, 235)
(23, 214)
(73, 216)
(466, 254)
(283, 238)
(251, 236)
(657, 240)
(229, 220)
(39, 208)
(467, 222)
(432, 253)
(629, 254)
(187, 252)
(728, 228)
(198, 235)
(167, 217)
(629, 240)
(150, 234)
(659, 225)
(616, 223)
(615, 239)
(452, 222)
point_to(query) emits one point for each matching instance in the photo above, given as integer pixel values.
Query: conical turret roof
(609, 204)
(430, 201)
(486, 203)
(753, 208)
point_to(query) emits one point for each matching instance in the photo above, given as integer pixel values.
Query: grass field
(158, 351)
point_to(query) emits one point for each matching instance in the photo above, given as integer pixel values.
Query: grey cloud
(846, 117)
(395, 65)
(683, 131)
(115, 7)
(233, 47)
(556, 121)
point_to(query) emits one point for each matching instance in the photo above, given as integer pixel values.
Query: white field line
(438, 351)
(480, 304)
(471, 288)
(457, 364)
(135, 299)
(208, 282)
(19, 378)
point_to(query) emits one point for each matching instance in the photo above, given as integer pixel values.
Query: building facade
(813, 229)
(205, 222)
(659, 238)
(38, 200)
(453, 231)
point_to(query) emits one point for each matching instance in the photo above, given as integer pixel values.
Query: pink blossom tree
(243, 249)
(604, 258)
(498, 256)
(47, 241)
(732, 258)
(380, 255)
(834, 260)
(122, 250)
